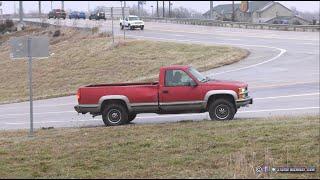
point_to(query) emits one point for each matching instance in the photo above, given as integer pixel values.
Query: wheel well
(113, 101)
(214, 97)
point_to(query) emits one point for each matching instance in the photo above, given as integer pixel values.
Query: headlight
(243, 93)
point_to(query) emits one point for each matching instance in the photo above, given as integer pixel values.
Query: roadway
(282, 71)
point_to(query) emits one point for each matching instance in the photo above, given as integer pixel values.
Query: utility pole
(124, 3)
(169, 9)
(20, 12)
(39, 9)
(51, 5)
(62, 5)
(163, 9)
(1, 13)
(157, 8)
(211, 9)
(232, 11)
(14, 8)
(89, 7)
(139, 8)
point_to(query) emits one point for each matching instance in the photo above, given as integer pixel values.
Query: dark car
(57, 13)
(97, 16)
(74, 15)
(82, 15)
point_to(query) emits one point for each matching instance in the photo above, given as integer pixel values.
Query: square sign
(39, 47)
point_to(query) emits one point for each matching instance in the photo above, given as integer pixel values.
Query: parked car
(131, 22)
(97, 16)
(180, 89)
(57, 14)
(74, 15)
(82, 15)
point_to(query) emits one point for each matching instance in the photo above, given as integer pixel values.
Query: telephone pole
(163, 9)
(211, 8)
(20, 12)
(62, 5)
(39, 9)
(169, 9)
(157, 8)
(232, 11)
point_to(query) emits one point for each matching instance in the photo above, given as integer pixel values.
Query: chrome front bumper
(244, 102)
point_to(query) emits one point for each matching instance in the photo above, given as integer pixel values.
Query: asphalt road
(282, 72)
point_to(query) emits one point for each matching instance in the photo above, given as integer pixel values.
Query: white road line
(23, 114)
(282, 51)
(39, 106)
(294, 95)
(40, 122)
(272, 110)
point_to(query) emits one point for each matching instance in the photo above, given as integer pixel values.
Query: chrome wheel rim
(114, 116)
(222, 111)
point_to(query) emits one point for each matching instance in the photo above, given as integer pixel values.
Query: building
(256, 12)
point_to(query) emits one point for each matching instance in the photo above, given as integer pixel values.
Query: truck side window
(177, 78)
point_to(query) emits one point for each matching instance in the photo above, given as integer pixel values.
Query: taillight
(78, 95)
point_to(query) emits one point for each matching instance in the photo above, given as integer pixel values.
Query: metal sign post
(112, 25)
(29, 47)
(30, 87)
(124, 29)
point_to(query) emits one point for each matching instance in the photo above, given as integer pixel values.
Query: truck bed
(136, 92)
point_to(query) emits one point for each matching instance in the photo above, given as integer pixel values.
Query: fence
(207, 22)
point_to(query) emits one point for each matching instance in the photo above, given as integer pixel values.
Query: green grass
(204, 149)
(80, 58)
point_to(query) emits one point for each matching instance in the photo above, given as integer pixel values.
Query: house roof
(257, 5)
(223, 8)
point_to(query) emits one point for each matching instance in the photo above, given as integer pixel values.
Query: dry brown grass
(80, 58)
(204, 149)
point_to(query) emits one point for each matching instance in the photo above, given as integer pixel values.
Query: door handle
(165, 91)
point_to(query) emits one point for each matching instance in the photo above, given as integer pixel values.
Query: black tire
(121, 26)
(130, 27)
(142, 27)
(114, 115)
(132, 117)
(221, 109)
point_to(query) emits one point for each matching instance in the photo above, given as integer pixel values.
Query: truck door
(179, 92)
(125, 21)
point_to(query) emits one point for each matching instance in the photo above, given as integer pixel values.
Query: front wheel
(114, 115)
(221, 109)
(142, 27)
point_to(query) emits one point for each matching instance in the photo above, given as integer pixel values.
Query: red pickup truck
(181, 89)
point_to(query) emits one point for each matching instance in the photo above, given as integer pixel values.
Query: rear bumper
(92, 109)
(244, 102)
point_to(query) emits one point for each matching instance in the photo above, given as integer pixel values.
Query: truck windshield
(134, 18)
(198, 75)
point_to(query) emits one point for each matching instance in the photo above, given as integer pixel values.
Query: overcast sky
(200, 6)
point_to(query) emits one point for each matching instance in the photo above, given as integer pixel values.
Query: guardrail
(208, 22)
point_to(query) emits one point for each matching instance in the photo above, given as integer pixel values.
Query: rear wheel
(114, 115)
(221, 109)
(142, 27)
